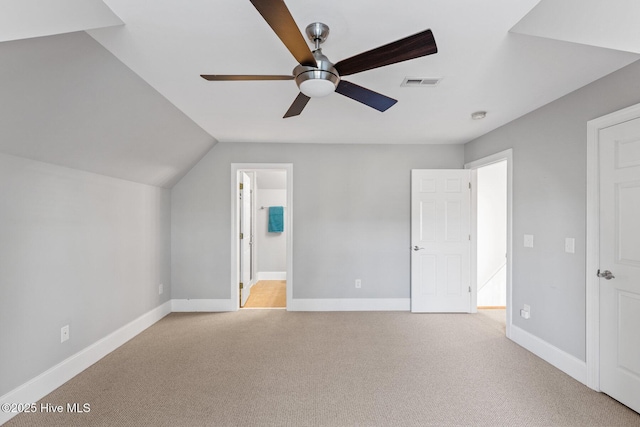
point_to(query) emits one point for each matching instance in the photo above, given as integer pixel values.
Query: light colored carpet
(268, 294)
(279, 368)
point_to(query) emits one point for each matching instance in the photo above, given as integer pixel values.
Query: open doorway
(492, 250)
(492, 236)
(262, 235)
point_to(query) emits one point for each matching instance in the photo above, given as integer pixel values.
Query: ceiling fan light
(317, 88)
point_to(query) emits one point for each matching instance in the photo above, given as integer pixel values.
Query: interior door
(440, 240)
(620, 262)
(245, 237)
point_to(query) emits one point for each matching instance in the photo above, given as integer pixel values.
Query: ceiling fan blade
(242, 77)
(277, 15)
(411, 47)
(298, 105)
(365, 96)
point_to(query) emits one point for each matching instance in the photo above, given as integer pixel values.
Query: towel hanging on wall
(276, 219)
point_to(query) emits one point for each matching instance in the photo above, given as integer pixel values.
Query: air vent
(420, 82)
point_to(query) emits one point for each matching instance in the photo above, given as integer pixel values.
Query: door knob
(416, 248)
(606, 274)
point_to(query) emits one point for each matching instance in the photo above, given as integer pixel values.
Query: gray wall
(79, 249)
(271, 248)
(66, 100)
(350, 217)
(549, 199)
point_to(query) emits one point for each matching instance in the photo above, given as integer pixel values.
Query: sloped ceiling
(22, 19)
(68, 101)
(128, 101)
(607, 24)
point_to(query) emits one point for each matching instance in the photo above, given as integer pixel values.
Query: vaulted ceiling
(505, 57)
(482, 64)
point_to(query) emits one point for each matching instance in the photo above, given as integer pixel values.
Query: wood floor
(268, 294)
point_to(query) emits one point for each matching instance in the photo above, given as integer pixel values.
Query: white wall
(351, 217)
(271, 247)
(549, 199)
(492, 234)
(76, 248)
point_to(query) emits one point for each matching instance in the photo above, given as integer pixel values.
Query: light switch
(528, 240)
(570, 245)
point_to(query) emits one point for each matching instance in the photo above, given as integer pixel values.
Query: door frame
(288, 223)
(241, 200)
(593, 237)
(506, 155)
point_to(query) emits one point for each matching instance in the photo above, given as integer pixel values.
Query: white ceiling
(484, 66)
(73, 103)
(22, 19)
(608, 24)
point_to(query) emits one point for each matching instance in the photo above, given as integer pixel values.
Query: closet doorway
(262, 235)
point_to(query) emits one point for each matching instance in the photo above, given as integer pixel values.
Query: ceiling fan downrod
(317, 33)
(316, 82)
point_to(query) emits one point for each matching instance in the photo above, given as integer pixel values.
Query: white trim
(349, 304)
(193, 305)
(485, 161)
(235, 167)
(593, 238)
(592, 253)
(54, 377)
(474, 241)
(271, 275)
(567, 363)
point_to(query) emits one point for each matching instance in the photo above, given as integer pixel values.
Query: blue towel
(276, 219)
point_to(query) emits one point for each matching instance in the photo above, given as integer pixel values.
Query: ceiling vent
(420, 82)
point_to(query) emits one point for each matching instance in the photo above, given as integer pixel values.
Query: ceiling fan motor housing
(316, 82)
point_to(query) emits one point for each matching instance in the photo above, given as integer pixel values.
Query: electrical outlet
(358, 283)
(570, 245)
(64, 333)
(160, 289)
(525, 313)
(528, 240)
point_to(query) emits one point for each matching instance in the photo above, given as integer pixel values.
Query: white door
(440, 240)
(245, 238)
(620, 255)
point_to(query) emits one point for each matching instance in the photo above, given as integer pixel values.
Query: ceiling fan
(316, 76)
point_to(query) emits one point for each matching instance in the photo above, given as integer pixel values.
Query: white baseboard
(562, 360)
(192, 305)
(350, 304)
(271, 275)
(45, 383)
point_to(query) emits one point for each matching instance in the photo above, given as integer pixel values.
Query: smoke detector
(479, 115)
